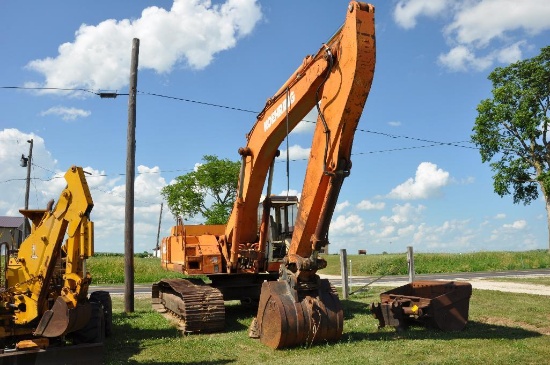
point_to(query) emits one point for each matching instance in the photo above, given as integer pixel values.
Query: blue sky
(416, 180)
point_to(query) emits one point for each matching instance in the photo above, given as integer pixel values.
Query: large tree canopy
(511, 129)
(210, 191)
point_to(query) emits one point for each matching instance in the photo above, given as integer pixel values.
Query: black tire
(104, 298)
(94, 331)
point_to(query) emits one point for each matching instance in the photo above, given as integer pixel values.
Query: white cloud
(307, 125)
(66, 113)
(500, 216)
(108, 193)
(481, 32)
(511, 53)
(387, 231)
(516, 225)
(295, 152)
(462, 58)
(407, 11)
(341, 206)
(406, 231)
(346, 225)
(368, 205)
(394, 124)
(291, 192)
(13, 144)
(486, 20)
(451, 236)
(427, 183)
(403, 214)
(191, 33)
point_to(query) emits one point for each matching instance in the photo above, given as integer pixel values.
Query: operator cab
(282, 215)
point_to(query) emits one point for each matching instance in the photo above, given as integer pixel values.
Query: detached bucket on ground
(440, 304)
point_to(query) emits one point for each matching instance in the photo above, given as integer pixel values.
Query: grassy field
(503, 329)
(431, 263)
(109, 269)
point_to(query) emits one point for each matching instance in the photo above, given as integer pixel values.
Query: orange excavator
(242, 259)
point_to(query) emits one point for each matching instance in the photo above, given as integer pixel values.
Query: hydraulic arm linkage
(301, 308)
(47, 283)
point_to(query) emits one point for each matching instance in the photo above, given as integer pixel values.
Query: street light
(27, 162)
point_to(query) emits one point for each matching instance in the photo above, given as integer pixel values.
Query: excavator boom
(301, 308)
(336, 81)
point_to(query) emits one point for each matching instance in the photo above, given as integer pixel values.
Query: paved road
(465, 276)
(145, 289)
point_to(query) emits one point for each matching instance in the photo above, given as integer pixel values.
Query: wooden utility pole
(158, 231)
(28, 161)
(130, 172)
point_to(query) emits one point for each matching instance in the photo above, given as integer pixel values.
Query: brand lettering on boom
(281, 108)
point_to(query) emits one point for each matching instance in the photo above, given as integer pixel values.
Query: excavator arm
(300, 307)
(30, 293)
(336, 81)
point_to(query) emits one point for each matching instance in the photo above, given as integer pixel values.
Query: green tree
(214, 181)
(511, 130)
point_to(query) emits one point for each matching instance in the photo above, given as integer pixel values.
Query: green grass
(503, 329)
(109, 269)
(431, 263)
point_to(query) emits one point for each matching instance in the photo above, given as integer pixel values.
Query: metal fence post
(344, 271)
(410, 263)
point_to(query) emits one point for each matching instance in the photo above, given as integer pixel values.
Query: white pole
(410, 262)
(350, 276)
(344, 272)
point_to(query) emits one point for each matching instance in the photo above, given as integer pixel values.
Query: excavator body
(272, 258)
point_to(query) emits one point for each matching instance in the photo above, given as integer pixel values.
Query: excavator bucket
(285, 320)
(61, 319)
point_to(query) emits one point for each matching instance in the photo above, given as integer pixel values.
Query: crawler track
(199, 306)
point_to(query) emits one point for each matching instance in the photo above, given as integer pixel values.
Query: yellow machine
(44, 298)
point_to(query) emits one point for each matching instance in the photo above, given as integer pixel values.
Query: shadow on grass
(236, 314)
(352, 308)
(473, 330)
(127, 340)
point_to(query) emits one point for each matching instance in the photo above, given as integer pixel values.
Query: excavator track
(199, 306)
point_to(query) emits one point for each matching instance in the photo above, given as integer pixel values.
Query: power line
(101, 94)
(198, 102)
(453, 144)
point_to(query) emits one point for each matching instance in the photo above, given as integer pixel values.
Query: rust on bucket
(440, 304)
(285, 319)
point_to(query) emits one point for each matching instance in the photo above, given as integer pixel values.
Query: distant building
(11, 230)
